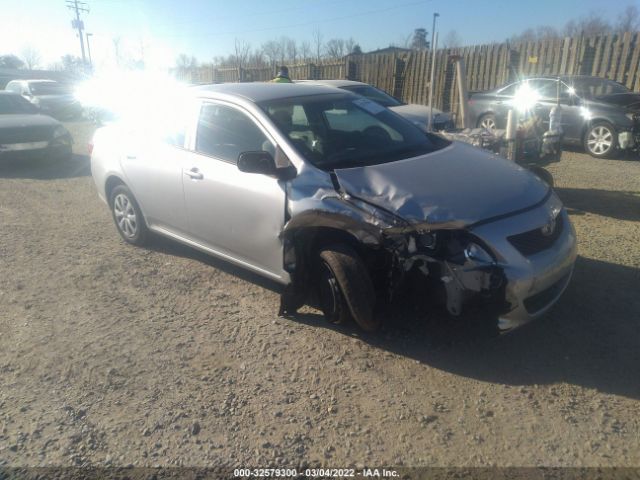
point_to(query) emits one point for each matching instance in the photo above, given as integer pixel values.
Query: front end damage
(463, 264)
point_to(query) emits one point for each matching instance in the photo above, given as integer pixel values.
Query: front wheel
(345, 287)
(488, 122)
(601, 140)
(127, 216)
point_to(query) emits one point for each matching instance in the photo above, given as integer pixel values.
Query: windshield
(15, 104)
(374, 94)
(48, 88)
(341, 131)
(596, 87)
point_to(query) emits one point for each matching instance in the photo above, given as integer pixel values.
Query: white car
(416, 114)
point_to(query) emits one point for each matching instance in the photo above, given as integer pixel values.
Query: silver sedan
(339, 200)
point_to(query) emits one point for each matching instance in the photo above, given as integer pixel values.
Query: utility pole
(89, 50)
(76, 23)
(434, 40)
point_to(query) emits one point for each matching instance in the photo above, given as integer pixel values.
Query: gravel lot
(115, 355)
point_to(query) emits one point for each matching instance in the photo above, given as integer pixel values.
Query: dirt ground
(116, 355)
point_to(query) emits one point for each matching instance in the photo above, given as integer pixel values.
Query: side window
(224, 132)
(548, 89)
(509, 91)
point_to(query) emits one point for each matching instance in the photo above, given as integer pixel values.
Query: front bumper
(534, 282)
(36, 151)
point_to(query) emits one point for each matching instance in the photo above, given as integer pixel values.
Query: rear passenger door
(237, 215)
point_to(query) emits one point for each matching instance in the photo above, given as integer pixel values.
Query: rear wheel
(600, 140)
(127, 216)
(345, 288)
(488, 122)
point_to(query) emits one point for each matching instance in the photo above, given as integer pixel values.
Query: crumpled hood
(450, 188)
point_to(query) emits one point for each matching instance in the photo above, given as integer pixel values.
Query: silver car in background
(416, 114)
(338, 200)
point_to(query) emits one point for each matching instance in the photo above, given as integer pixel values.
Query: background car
(336, 198)
(600, 114)
(417, 114)
(25, 133)
(51, 97)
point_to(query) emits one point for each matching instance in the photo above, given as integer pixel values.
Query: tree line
(589, 25)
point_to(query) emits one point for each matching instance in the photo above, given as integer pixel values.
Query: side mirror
(257, 162)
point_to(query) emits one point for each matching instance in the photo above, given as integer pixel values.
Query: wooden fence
(406, 74)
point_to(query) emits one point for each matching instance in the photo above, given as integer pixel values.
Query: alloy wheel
(600, 140)
(488, 123)
(125, 215)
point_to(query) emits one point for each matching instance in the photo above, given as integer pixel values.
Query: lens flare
(139, 98)
(525, 98)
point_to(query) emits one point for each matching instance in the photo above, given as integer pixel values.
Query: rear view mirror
(257, 162)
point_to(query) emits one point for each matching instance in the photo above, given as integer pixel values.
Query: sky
(159, 30)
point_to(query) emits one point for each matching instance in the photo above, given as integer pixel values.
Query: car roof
(30, 80)
(262, 91)
(333, 83)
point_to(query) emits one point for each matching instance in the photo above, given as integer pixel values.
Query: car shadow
(590, 338)
(46, 169)
(167, 246)
(621, 205)
(623, 155)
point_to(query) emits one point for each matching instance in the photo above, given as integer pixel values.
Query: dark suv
(600, 114)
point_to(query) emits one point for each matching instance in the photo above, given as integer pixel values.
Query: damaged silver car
(339, 200)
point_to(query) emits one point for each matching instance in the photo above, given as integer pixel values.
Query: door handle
(131, 157)
(194, 174)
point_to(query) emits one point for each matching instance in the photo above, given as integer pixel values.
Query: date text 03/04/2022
(315, 473)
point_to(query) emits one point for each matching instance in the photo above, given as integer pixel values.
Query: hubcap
(125, 215)
(488, 123)
(600, 140)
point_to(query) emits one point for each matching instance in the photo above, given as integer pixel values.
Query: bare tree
(317, 43)
(349, 45)
(305, 50)
(31, 57)
(242, 51)
(271, 50)
(292, 50)
(185, 62)
(335, 48)
(589, 25)
(628, 20)
(451, 40)
(541, 32)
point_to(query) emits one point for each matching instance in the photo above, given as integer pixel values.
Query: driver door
(237, 215)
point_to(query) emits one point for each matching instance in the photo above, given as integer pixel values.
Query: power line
(77, 23)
